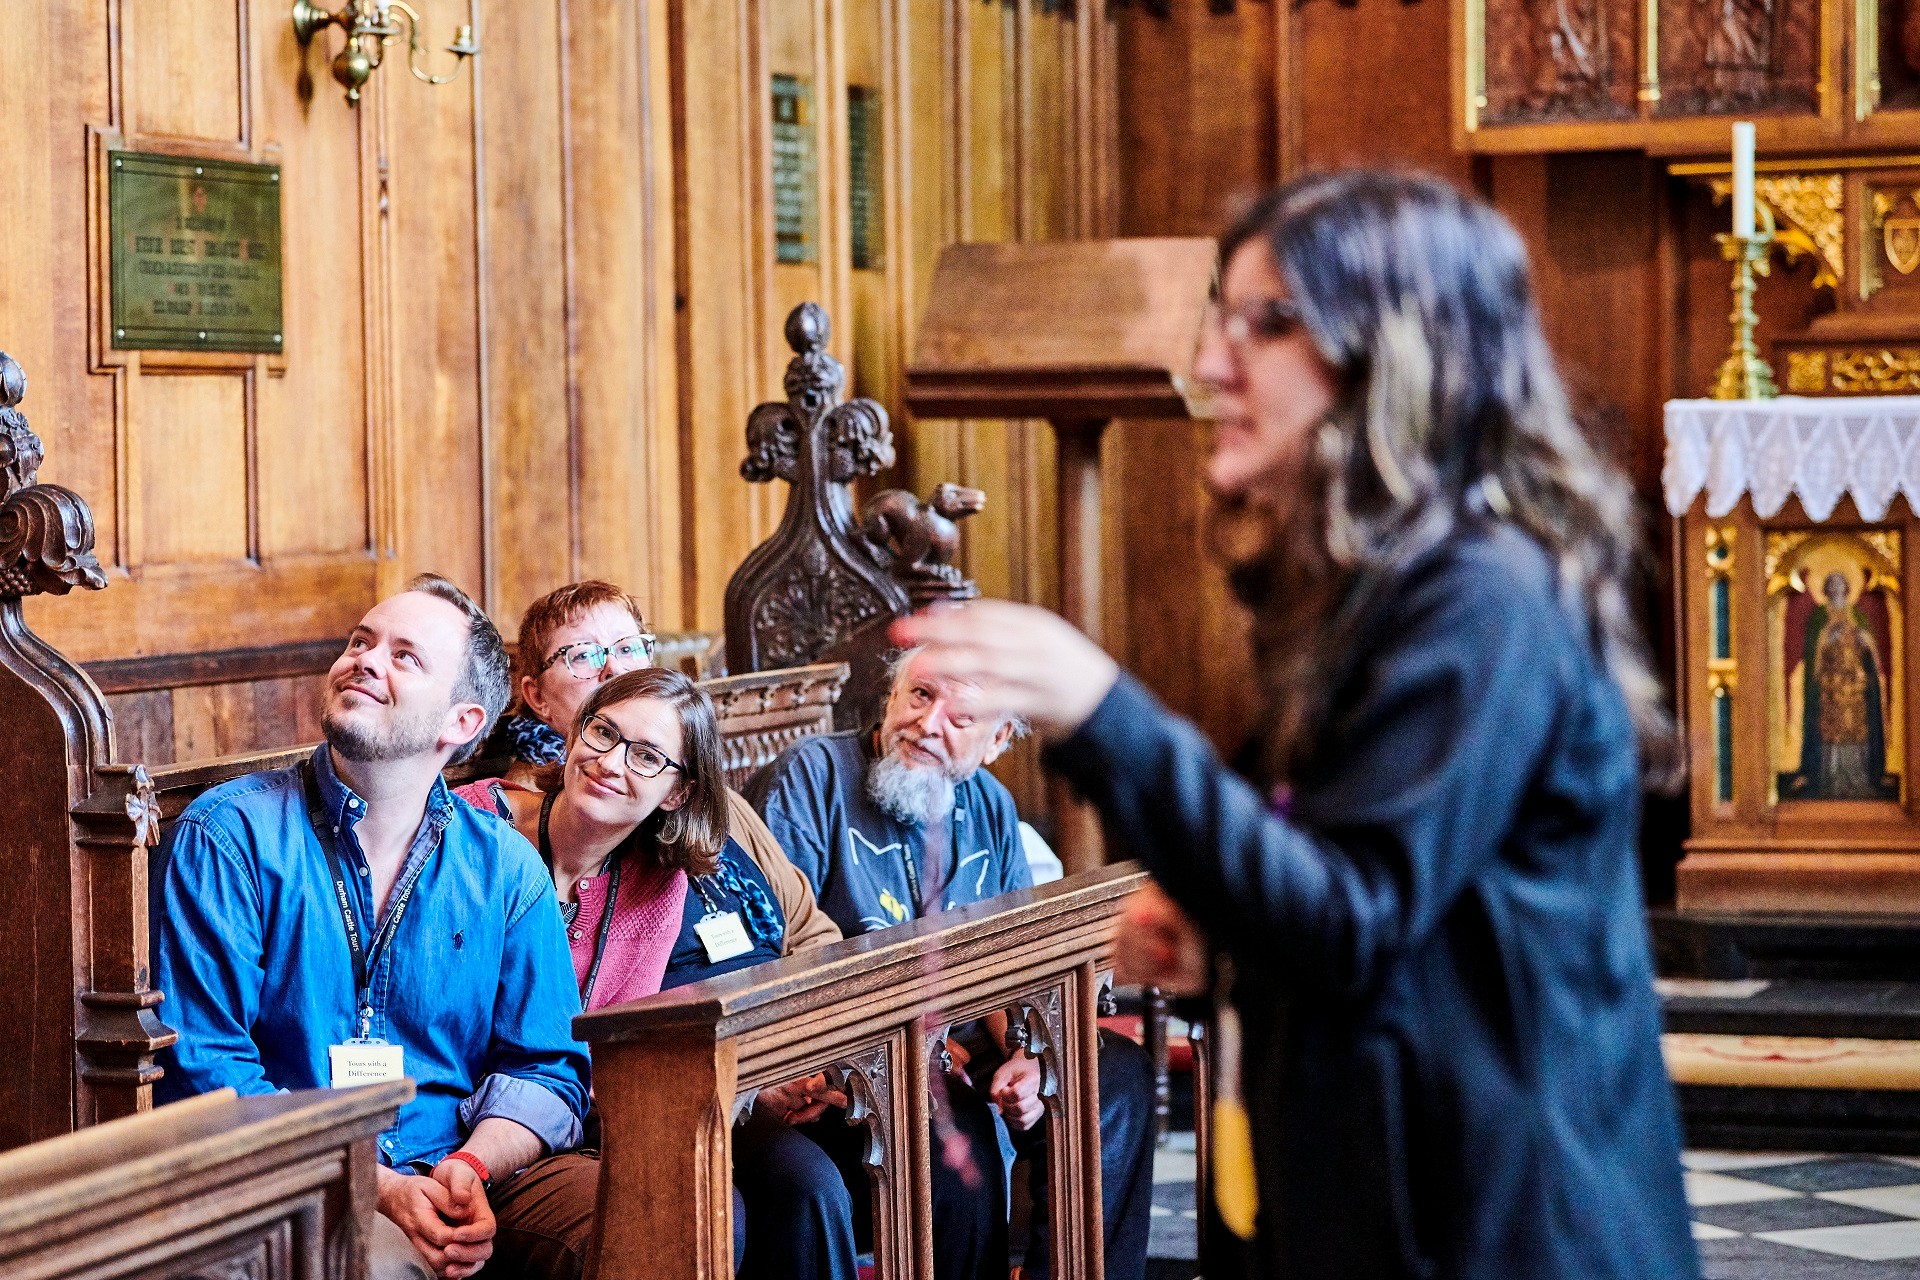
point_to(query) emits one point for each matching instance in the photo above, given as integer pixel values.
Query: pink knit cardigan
(646, 920)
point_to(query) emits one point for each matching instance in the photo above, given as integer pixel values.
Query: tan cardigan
(807, 924)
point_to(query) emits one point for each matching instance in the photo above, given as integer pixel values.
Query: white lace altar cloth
(1821, 448)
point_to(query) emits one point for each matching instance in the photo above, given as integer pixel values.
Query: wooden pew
(125, 811)
(267, 1188)
(873, 1011)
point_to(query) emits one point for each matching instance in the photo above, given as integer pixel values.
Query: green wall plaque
(796, 196)
(865, 163)
(195, 258)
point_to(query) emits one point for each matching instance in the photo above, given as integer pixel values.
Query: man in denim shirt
(349, 920)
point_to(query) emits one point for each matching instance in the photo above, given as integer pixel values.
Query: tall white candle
(1743, 178)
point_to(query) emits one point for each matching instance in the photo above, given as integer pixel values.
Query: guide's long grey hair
(1418, 296)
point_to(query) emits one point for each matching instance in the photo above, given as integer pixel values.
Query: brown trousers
(544, 1216)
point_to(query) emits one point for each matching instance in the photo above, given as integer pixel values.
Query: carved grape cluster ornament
(46, 532)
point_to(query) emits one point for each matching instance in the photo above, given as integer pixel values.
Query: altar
(1796, 541)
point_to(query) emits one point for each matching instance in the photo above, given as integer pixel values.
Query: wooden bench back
(873, 1012)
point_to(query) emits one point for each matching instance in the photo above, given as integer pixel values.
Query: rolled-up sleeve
(533, 1106)
(209, 963)
(536, 1072)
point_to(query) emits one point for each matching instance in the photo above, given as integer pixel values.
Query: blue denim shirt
(477, 986)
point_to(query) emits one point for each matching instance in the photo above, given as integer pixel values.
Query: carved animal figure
(920, 538)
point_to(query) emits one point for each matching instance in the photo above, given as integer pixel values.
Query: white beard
(915, 794)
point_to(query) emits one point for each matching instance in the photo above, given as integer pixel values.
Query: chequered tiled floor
(1779, 1216)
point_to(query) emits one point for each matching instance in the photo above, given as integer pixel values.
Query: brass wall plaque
(195, 257)
(796, 196)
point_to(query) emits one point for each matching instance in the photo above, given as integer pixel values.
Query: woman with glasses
(572, 640)
(636, 814)
(1419, 900)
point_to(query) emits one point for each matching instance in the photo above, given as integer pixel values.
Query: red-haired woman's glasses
(642, 759)
(585, 661)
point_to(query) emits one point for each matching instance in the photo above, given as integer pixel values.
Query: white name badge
(723, 936)
(364, 1062)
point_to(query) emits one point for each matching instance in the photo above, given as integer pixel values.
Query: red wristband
(473, 1162)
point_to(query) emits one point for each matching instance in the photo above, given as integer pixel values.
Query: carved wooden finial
(46, 532)
(812, 585)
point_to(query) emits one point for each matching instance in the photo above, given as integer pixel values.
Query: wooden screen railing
(873, 1012)
(278, 1187)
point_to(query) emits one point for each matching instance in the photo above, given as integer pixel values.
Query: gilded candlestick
(1743, 374)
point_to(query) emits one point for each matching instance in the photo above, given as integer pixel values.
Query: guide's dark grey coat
(1453, 1056)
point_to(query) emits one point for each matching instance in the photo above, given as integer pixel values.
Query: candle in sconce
(1743, 179)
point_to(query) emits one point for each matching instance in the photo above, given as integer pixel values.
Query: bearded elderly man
(348, 920)
(903, 821)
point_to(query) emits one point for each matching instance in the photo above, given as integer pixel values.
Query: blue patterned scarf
(763, 917)
(533, 741)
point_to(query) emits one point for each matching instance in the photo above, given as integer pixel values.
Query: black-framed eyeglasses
(642, 759)
(1251, 323)
(586, 660)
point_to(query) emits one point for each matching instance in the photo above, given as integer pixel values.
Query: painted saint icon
(1834, 616)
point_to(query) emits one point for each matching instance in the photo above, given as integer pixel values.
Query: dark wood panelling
(130, 675)
(1574, 60)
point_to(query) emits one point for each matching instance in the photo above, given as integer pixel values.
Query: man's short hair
(484, 680)
(897, 667)
(555, 610)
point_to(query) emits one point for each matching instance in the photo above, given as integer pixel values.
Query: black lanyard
(913, 878)
(606, 914)
(365, 957)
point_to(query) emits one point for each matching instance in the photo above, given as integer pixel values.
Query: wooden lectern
(1079, 333)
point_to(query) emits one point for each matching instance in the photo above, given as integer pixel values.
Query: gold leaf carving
(1807, 218)
(1875, 372)
(1807, 372)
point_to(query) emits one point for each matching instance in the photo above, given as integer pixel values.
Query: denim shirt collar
(344, 808)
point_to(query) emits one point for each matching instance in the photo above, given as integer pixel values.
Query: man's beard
(917, 794)
(400, 738)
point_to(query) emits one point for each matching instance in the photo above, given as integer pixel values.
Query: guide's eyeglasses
(642, 760)
(1253, 323)
(587, 660)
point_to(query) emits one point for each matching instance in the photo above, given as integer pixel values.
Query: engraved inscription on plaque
(796, 213)
(865, 164)
(195, 254)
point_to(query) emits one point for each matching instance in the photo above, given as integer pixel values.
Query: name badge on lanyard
(723, 935)
(364, 1062)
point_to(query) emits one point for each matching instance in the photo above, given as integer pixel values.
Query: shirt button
(363, 871)
(575, 934)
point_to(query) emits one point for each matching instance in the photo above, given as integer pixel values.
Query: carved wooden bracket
(867, 1080)
(1035, 1023)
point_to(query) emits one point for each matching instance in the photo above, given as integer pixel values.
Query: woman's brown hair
(1450, 410)
(687, 838)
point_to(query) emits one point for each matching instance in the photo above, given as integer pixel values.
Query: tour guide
(348, 920)
(1429, 888)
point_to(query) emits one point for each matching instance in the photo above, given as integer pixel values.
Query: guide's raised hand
(1012, 659)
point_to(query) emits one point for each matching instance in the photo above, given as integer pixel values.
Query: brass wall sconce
(369, 24)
